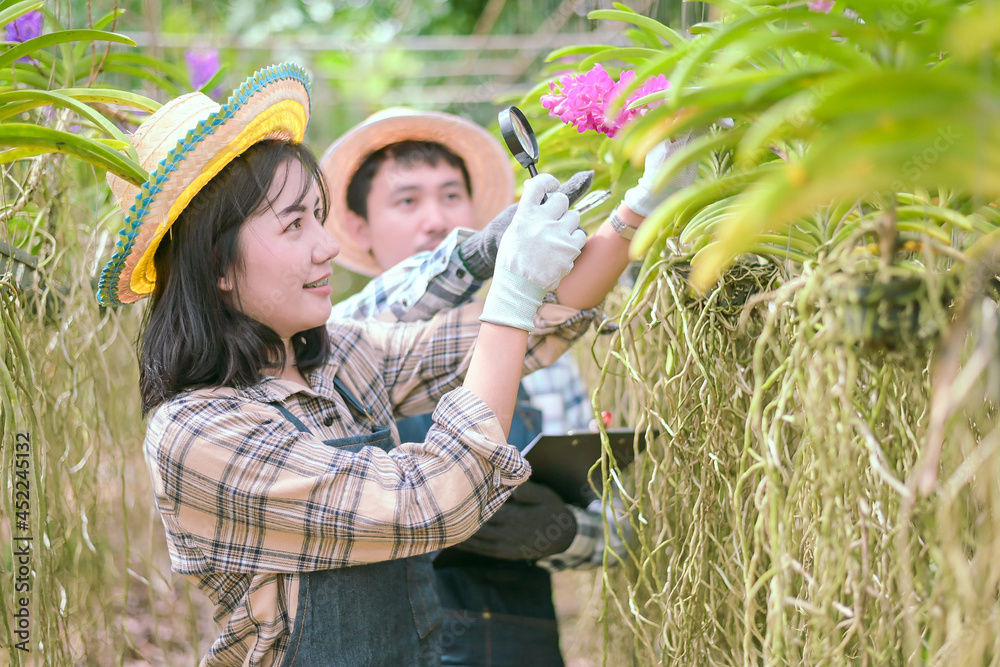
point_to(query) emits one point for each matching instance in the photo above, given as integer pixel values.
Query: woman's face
(286, 253)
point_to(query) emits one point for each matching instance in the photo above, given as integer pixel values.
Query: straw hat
(490, 173)
(185, 144)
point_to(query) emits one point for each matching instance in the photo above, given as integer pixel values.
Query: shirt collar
(276, 390)
(272, 389)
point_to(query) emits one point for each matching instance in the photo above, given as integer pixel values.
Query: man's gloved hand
(644, 197)
(479, 251)
(535, 253)
(532, 524)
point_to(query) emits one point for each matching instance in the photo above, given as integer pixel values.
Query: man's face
(412, 208)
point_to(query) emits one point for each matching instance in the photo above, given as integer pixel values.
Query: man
(403, 183)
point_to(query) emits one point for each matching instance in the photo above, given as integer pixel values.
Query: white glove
(535, 253)
(643, 198)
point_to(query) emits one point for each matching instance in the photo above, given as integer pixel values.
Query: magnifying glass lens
(520, 138)
(522, 134)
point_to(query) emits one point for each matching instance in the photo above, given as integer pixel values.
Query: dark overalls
(497, 613)
(376, 615)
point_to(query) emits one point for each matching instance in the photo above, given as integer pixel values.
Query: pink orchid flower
(584, 100)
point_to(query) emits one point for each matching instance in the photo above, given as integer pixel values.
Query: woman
(271, 439)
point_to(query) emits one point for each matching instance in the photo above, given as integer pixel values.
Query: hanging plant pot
(17, 266)
(886, 313)
(746, 278)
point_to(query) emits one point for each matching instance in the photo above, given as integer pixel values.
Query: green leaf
(974, 35)
(777, 251)
(802, 41)
(25, 75)
(533, 95)
(23, 135)
(140, 72)
(107, 19)
(787, 241)
(215, 81)
(673, 215)
(730, 6)
(34, 98)
(706, 48)
(16, 11)
(628, 53)
(173, 70)
(983, 246)
(792, 112)
(587, 49)
(850, 164)
(5, 4)
(658, 96)
(707, 218)
(652, 25)
(697, 149)
(112, 96)
(703, 28)
(15, 154)
(60, 37)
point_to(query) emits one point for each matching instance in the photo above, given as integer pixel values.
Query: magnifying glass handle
(534, 172)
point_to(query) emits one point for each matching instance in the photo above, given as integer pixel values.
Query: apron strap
(292, 418)
(344, 392)
(350, 398)
(342, 389)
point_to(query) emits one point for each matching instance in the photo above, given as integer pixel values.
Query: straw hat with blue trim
(490, 174)
(185, 144)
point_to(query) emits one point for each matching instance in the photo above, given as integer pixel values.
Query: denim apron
(497, 613)
(373, 615)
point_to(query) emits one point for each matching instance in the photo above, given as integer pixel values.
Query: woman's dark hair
(406, 153)
(193, 336)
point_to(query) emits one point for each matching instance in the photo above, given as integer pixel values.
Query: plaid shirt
(249, 502)
(418, 288)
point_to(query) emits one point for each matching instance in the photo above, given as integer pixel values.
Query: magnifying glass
(520, 138)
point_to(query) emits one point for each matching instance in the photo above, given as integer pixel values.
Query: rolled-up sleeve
(424, 360)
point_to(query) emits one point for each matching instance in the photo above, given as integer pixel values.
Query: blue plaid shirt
(418, 288)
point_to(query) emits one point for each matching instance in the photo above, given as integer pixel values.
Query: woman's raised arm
(605, 255)
(535, 253)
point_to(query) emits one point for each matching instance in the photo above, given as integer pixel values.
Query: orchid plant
(64, 123)
(869, 108)
(25, 74)
(38, 75)
(819, 497)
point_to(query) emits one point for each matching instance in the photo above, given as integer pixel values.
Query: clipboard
(562, 461)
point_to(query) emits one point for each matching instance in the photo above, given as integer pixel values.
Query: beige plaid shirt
(249, 502)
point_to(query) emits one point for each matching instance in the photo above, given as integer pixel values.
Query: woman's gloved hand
(532, 524)
(645, 197)
(535, 253)
(479, 251)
